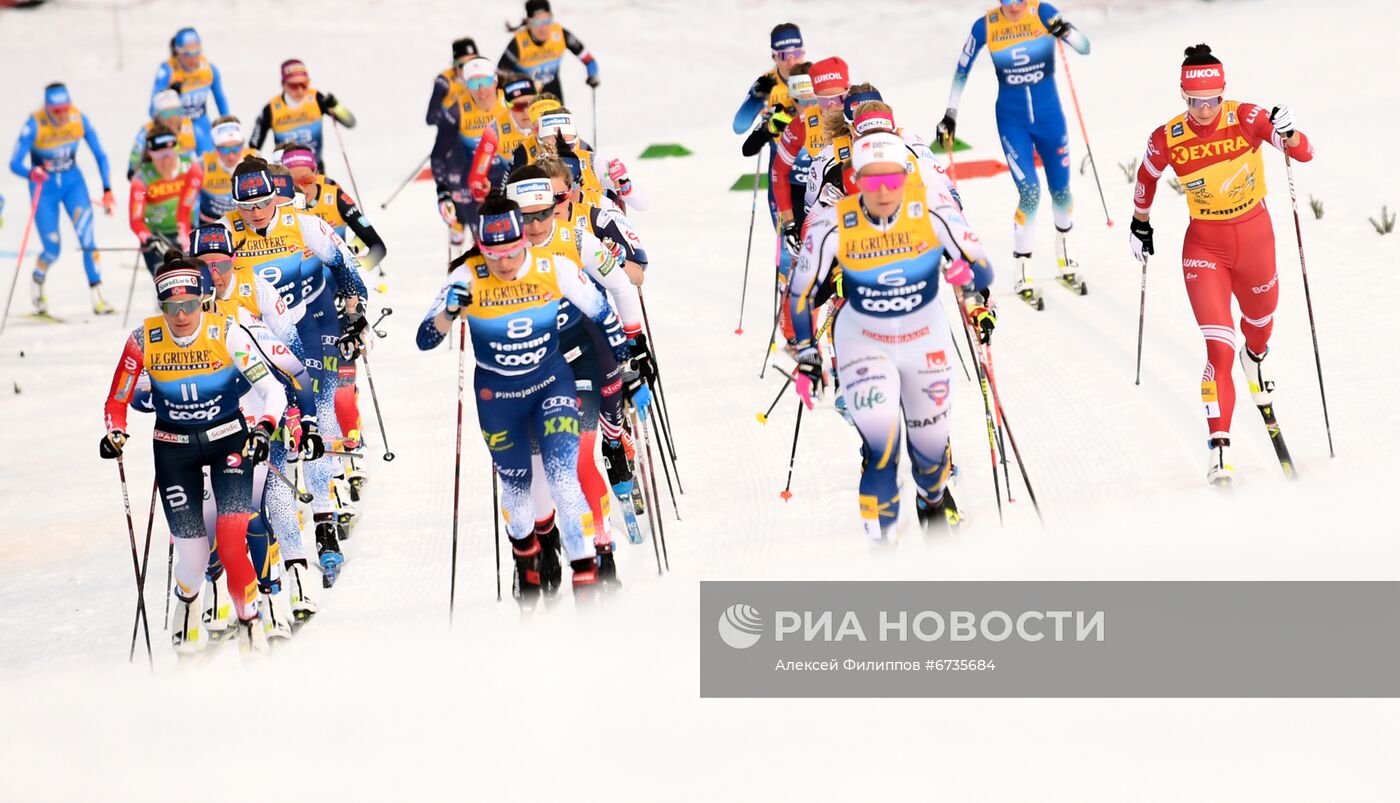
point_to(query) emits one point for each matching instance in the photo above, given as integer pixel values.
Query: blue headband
(211, 240)
(252, 186)
(57, 96)
(506, 227)
(852, 101)
(786, 38)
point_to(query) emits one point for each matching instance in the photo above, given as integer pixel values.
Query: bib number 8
(518, 328)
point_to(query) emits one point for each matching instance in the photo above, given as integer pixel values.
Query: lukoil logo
(740, 626)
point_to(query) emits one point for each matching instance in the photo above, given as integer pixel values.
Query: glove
(792, 237)
(1058, 27)
(1140, 238)
(459, 295)
(947, 128)
(479, 188)
(313, 446)
(1282, 118)
(592, 81)
(642, 361)
(809, 374)
(763, 86)
(110, 447)
(38, 175)
(778, 120)
(351, 343)
(982, 316)
(446, 208)
(259, 443)
(617, 171)
(109, 204)
(959, 273)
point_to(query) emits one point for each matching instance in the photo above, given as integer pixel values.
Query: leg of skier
(926, 398)
(231, 478)
(46, 224)
(1207, 260)
(1052, 143)
(555, 422)
(870, 384)
(1255, 286)
(79, 208)
(506, 429)
(1019, 148)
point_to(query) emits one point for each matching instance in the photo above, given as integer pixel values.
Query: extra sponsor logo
(234, 460)
(169, 437)
(917, 423)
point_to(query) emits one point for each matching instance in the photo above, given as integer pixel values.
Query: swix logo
(1264, 288)
(1202, 72)
(1204, 264)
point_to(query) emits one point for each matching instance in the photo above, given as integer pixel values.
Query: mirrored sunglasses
(791, 54)
(261, 203)
(223, 265)
(538, 217)
(298, 85)
(188, 306)
(503, 252)
(890, 181)
(831, 101)
(1205, 103)
(230, 150)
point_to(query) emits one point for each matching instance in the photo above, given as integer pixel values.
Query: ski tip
(762, 419)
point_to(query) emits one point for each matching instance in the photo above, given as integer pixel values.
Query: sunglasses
(562, 197)
(230, 150)
(794, 54)
(504, 252)
(540, 22)
(1205, 103)
(189, 306)
(522, 104)
(220, 265)
(540, 216)
(170, 114)
(481, 83)
(59, 109)
(888, 181)
(190, 51)
(157, 153)
(297, 85)
(259, 204)
(831, 101)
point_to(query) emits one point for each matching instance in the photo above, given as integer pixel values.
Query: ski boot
(346, 514)
(99, 304)
(940, 516)
(1069, 276)
(1024, 288)
(252, 641)
(621, 475)
(551, 571)
(585, 581)
(607, 567)
(36, 287)
(1221, 472)
(355, 473)
(218, 615)
(328, 548)
(525, 585)
(1261, 389)
(274, 613)
(186, 632)
(302, 606)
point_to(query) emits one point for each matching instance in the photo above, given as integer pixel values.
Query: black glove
(110, 448)
(763, 86)
(947, 129)
(982, 316)
(313, 446)
(1141, 231)
(328, 101)
(792, 237)
(592, 81)
(1057, 27)
(778, 120)
(642, 361)
(351, 344)
(259, 444)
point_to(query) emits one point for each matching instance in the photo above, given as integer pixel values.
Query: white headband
(799, 85)
(531, 192)
(166, 100)
(553, 123)
(228, 132)
(878, 148)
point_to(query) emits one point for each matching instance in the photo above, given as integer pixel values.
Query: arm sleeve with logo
(355, 218)
(322, 240)
(290, 370)
(575, 46)
(613, 224)
(217, 89)
(780, 172)
(956, 234)
(187, 214)
(604, 266)
(162, 82)
(1154, 161)
(814, 262)
(635, 198)
(24, 145)
(271, 401)
(974, 44)
(1073, 37)
(510, 58)
(136, 205)
(587, 297)
(279, 318)
(129, 367)
(1258, 129)
(261, 127)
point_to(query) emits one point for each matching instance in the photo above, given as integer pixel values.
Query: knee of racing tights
(191, 557)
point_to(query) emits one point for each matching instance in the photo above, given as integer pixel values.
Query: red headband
(1203, 78)
(874, 121)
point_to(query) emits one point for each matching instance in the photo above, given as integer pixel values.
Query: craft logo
(740, 626)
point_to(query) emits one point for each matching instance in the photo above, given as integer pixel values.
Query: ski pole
(100, 249)
(595, 116)
(344, 453)
(1142, 316)
(777, 309)
(383, 436)
(1307, 295)
(23, 244)
(961, 359)
(339, 141)
(1001, 426)
(792, 459)
(135, 565)
(406, 182)
(169, 578)
(658, 520)
(302, 496)
(131, 291)
(457, 471)
(1011, 438)
(145, 562)
(986, 400)
(496, 519)
(1085, 131)
(748, 254)
(664, 418)
(763, 417)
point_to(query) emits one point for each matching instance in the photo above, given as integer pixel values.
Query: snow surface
(378, 699)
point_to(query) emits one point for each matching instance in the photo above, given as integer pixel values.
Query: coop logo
(740, 626)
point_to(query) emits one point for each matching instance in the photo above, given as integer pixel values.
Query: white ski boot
(1221, 471)
(275, 614)
(99, 304)
(36, 294)
(1069, 269)
(303, 607)
(186, 633)
(1025, 288)
(1261, 388)
(217, 615)
(252, 641)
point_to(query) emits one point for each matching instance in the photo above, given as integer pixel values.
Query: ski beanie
(251, 181)
(160, 139)
(878, 148)
(517, 87)
(464, 48)
(832, 73)
(211, 240)
(855, 99)
(1202, 73)
(500, 227)
(185, 38)
(56, 96)
(534, 6)
(293, 68)
(786, 36)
